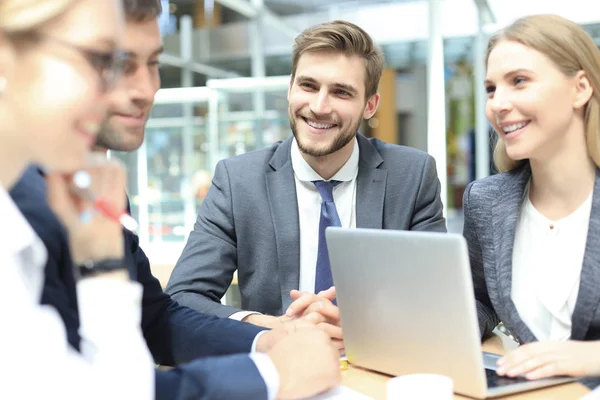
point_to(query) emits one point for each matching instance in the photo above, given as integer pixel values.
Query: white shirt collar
(305, 173)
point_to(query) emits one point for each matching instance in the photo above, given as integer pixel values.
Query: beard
(343, 137)
(117, 138)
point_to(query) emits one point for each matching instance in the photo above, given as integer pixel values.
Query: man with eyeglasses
(224, 357)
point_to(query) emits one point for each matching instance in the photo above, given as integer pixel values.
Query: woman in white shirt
(533, 230)
(58, 60)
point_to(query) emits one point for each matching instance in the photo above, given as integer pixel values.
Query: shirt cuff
(240, 315)
(268, 372)
(255, 341)
(121, 310)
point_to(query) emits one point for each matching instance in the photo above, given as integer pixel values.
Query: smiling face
(130, 105)
(327, 102)
(56, 97)
(531, 104)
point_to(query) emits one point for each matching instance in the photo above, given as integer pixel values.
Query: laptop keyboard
(495, 380)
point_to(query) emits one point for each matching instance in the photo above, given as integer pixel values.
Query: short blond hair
(572, 50)
(343, 37)
(24, 16)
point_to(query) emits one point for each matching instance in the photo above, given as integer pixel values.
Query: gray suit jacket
(249, 222)
(492, 206)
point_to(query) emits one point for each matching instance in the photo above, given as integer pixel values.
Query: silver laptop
(407, 306)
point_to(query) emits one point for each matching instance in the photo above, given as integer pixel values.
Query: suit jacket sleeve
(488, 319)
(205, 269)
(429, 211)
(228, 378)
(177, 334)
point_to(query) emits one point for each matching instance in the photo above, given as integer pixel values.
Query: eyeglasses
(108, 64)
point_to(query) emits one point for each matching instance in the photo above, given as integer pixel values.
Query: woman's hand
(551, 358)
(92, 236)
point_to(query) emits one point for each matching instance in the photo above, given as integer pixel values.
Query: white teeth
(91, 127)
(318, 125)
(514, 127)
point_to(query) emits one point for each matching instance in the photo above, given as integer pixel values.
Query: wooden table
(373, 384)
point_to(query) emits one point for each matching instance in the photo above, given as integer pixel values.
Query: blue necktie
(329, 217)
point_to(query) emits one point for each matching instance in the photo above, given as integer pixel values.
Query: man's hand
(266, 321)
(304, 300)
(319, 308)
(550, 358)
(267, 340)
(307, 364)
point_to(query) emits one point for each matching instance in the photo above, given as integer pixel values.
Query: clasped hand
(320, 310)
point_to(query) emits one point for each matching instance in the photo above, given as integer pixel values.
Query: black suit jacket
(174, 334)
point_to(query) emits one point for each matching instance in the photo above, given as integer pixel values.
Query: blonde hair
(343, 37)
(23, 16)
(572, 50)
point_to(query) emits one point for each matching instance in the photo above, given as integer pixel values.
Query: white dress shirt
(309, 211)
(547, 262)
(309, 208)
(37, 361)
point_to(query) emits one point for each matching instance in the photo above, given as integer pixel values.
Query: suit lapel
(506, 209)
(589, 294)
(281, 192)
(370, 186)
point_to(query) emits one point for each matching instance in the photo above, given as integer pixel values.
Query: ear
(371, 106)
(583, 90)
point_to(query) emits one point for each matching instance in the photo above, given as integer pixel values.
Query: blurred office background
(225, 73)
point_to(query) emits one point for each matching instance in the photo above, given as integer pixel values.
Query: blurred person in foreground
(296, 365)
(56, 72)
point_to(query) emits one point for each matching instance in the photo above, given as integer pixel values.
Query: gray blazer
(249, 222)
(492, 206)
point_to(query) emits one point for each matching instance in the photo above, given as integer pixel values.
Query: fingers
(92, 234)
(525, 366)
(544, 371)
(299, 305)
(329, 294)
(519, 356)
(303, 323)
(314, 317)
(296, 294)
(334, 332)
(108, 181)
(325, 308)
(536, 360)
(66, 206)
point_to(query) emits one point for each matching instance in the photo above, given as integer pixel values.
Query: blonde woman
(58, 60)
(533, 230)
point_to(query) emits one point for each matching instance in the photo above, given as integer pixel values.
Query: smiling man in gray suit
(266, 211)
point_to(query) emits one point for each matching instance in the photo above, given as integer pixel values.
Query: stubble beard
(343, 137)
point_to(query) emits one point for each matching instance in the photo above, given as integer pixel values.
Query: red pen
(82, 182)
